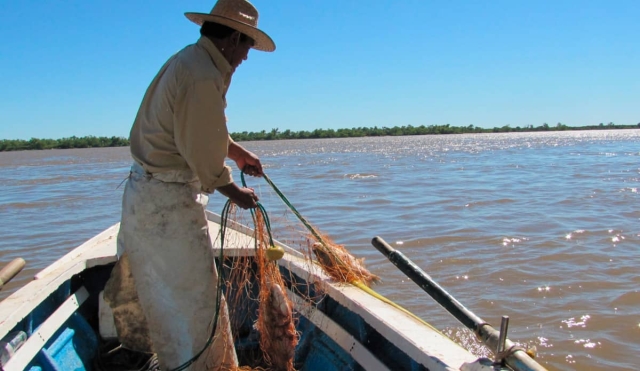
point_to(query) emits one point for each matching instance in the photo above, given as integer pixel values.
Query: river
(543, 227)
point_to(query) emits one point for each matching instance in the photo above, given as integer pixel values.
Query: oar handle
(518, 360)
(422, 279)
(11, 270)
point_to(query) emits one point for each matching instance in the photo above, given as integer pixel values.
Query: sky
(81, 67)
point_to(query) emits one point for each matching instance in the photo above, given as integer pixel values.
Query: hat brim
(262, 41)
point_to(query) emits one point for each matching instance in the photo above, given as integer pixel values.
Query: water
(543, 227)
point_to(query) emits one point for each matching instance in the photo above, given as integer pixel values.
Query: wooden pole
(11, 270)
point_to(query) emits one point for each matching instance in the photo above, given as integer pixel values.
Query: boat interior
(68, 325)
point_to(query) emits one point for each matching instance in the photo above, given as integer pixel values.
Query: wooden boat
(60, 322)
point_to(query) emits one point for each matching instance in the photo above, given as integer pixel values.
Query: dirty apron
(168, 262)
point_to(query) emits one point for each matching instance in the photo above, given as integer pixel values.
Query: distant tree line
(71, 142)
(91, 141)
(410, 130)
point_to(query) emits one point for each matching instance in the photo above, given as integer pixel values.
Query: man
(179, 142)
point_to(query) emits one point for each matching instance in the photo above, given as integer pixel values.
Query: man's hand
(243, 197)
(246, 161)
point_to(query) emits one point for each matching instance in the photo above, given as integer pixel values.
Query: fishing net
(335, 259)
(257, 294)
(256, 291)
(339, 264)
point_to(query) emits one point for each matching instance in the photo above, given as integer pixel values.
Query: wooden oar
(515, 358)
(11, 270)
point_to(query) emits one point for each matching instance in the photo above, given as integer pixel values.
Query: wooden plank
(39, 338)
(347, 342)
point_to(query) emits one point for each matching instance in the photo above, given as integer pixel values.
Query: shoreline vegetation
(276, 134)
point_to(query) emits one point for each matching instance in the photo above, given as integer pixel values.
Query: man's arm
(247, 161)
(243, 197)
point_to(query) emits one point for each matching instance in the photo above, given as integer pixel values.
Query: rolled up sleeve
(201, 134)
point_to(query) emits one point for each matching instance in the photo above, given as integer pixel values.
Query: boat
(60, 321)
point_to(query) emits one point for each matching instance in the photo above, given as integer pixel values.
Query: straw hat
(240, 15)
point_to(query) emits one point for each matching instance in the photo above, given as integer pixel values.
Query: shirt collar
(221, 63)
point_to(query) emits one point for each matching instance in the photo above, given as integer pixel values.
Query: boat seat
(72, 338)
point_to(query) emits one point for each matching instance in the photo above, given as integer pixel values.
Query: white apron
(169, 259)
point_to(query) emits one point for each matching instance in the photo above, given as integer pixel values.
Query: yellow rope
(376, 295)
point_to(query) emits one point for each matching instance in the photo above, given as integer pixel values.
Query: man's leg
(167, 240)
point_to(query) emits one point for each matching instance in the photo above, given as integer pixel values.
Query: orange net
(257, 278)
(258, 294)
(339, 264)
(278, 337)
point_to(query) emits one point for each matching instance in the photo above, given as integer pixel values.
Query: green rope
(224, 217)
(263, 211)
(304, 221)
(294, 210)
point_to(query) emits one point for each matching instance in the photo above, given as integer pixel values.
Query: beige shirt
(181, 125)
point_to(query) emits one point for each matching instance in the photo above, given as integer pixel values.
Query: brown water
(543, 227)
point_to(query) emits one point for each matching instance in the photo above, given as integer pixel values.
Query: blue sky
(81, 67)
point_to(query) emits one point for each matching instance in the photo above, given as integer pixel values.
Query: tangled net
(278, 337)
(339, 264)
(258, 278)
(255, 284)
(335, 259)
